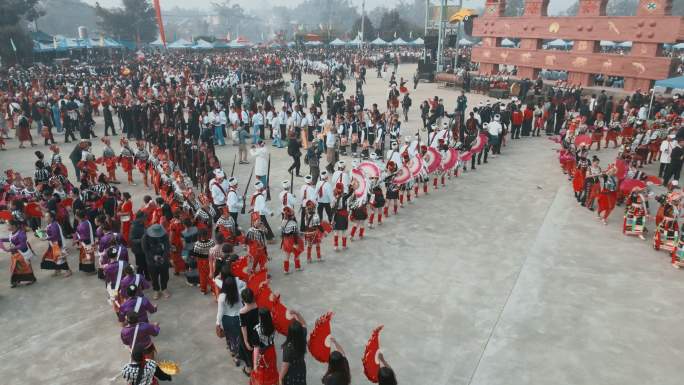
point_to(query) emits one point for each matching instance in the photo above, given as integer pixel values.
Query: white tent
(607, 43)
(625, 44)
(203, 44)
(356, 42)
(378, 41)
(180, 43)
(678, 46)
(507, 43)
(157, 43)
(338, 42)
(399, 41)
(558, 43)
(418, 41)
(313, 43)
(465, 41)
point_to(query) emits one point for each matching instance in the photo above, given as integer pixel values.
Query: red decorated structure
(652, 26)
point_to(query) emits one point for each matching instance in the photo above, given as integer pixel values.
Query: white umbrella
(558, 43)
(465, 41)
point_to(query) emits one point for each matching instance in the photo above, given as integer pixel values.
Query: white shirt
(330, 140)
(282, 117)
(258, 119)
(225, 308)
(494, 128)
(341, 177)
(260, 155)
(394, 156)
(324, 192)
(286, 199)
(307, 193)
(218, 192)
(223, 119)
(233, 116)
(234, 201)
(666, 151)
(260, 204)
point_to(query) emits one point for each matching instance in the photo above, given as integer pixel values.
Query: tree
(136, 21)
(13, 17)
(369, 31)
(62, 17)
(391, 24)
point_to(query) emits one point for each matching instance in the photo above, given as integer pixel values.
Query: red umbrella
(630, 184)
(319, 340)
(370, 360)
(582, 139)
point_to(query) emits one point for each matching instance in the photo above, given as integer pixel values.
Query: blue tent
(677, 82)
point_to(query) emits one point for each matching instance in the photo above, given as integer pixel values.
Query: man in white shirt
(234, 200)
(219, 193)
(258, 123)
(341, 176)
(223, 122)
(259, 206)
(286, 198)
(665, 154)
(494, 129)
(324, 196)
(260, 154)
(306, 193)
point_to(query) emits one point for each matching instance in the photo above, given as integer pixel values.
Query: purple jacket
(145, 333)
(145, 307)
(54, 234)
(18, 240)
(137, 280)
(111, 271)
(122, 252)
(83, 232)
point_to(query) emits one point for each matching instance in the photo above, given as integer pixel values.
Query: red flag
(319, 346)
(370, 361)
(160, 22)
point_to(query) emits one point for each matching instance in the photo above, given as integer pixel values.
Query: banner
(160, 22)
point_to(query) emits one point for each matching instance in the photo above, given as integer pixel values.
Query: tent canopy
(203, 44)
(607, 43)
(180, 43)
(677, 82)
(356, 41)
(338, 42)
(465, 41)
(678, 46)
(558, 43)
(157, 43)
(625, 44)
(399, 41)
(313, 43)
(378, 41)
(507, 43)
(418, 41)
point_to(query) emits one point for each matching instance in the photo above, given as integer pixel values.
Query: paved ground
(499, 279)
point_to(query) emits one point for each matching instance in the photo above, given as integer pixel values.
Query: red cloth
(265, 367)
(203, 269)
(517, 118)
(578, 180)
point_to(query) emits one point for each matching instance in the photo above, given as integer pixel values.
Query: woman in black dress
(249, 318)
(385, 372)
(338, 367)
(293, 368)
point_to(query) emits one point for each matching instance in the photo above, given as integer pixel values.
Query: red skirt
(265, 367)
(292, 244)
(142, 166)
(596, 137)
(628, 132)
(126, 164)
(578, 181)
(606, 201)
(611, 135)
(24, 134)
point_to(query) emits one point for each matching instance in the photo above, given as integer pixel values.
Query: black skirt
(341, 222)
(392, 194)
(50, 265)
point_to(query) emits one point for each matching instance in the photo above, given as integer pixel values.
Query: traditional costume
(55, 257)
(635, 214)
(255, 240)
(20, 261)
(86, 239)
(291, 243)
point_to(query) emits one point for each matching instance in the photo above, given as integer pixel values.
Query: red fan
(281, 317)
(450, 159)
(239, 268)
(403, 176)
(466, 156)
(319, 340)
(582, 140)
(621, 166)
(265, 297)
(370, 169)
(5, 215)
(255, 280)
(479, 143)
(433, 159)
(361, 186)
(370, 360)
(630, 184)
(326, 226)
(32, 209)
(415, 165)
(654, 179)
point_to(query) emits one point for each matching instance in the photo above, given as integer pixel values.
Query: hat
(219, 173)
(258, 185)
(310, 203)
(497, 117)
(232, 182)
(155, 231)
(341, 164)
(308, 179)
(323, 174)
(355, 163)
(286, 184)
(373, 156)
(255, 217)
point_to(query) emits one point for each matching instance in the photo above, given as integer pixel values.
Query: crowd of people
(201, 222)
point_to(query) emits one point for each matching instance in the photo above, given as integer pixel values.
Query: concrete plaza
(499, 279)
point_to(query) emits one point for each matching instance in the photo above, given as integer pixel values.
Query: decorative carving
(580, 62)
(639, 67)
(504, 55)
(526, 57)
(550, 60)
(607, 65)
(582, 46)
(487, 54)
(554, 27)
(612, 27)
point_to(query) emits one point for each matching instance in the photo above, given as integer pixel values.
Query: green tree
(13, 17)
(62, 17)
(369, 30)
(391, 24)
(135, 21)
